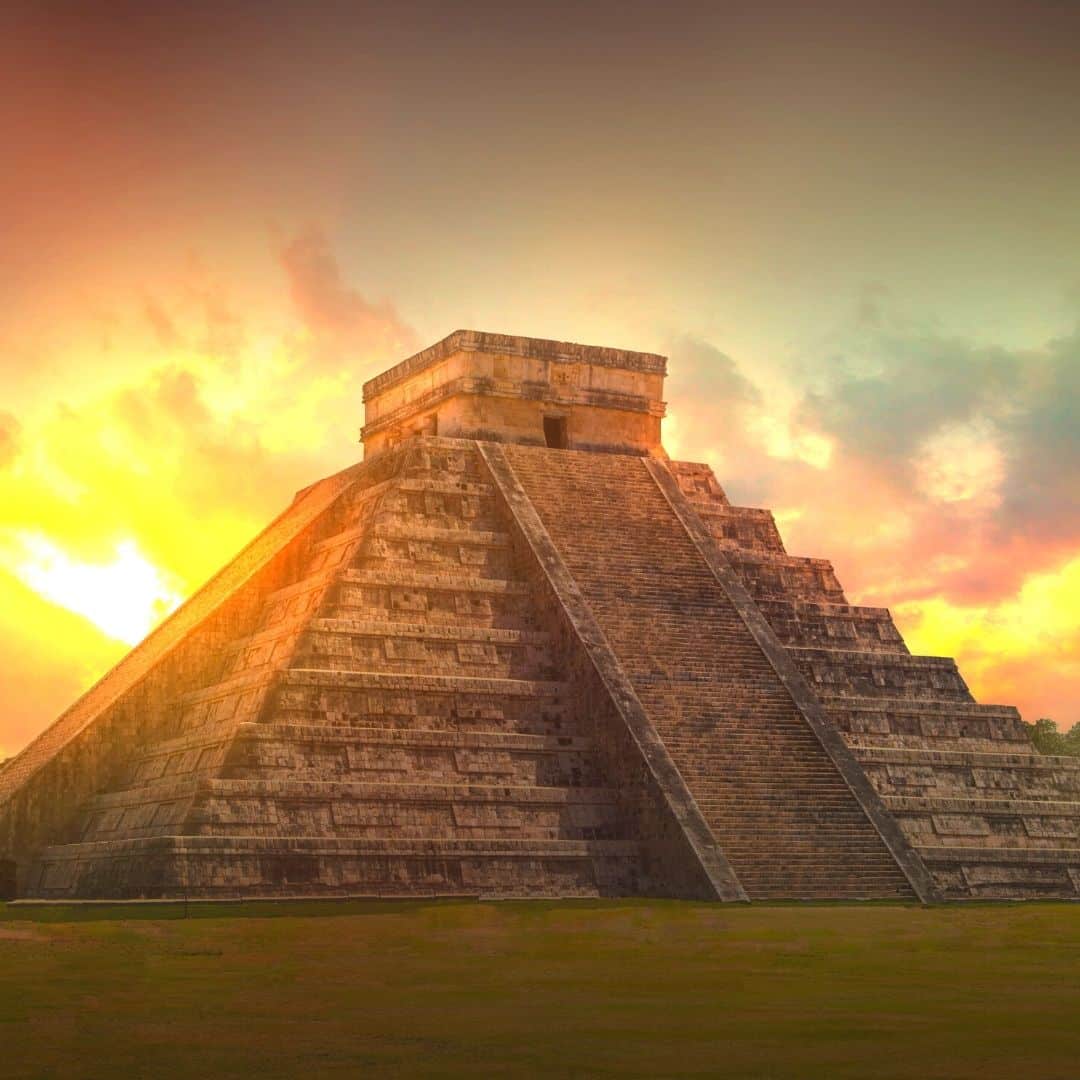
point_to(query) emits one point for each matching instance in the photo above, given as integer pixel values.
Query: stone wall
(501, 388)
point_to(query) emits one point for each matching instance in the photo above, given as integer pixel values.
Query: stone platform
(479, 667)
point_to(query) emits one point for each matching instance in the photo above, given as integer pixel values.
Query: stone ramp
(989, 816)
(776, 803)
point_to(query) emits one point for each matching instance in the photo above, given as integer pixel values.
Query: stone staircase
(775, 802)
(392, 725)
(989, 816)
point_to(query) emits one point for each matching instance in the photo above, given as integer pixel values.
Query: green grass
(618, 988)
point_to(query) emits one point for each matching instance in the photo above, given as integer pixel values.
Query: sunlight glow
(1042, 619)
(125, 598)
(783, 439)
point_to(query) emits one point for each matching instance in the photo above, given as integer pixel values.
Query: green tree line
(1048, 740)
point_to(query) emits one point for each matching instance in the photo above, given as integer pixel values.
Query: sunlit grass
(619, 988)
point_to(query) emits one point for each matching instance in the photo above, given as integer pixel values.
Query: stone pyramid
(519, 652)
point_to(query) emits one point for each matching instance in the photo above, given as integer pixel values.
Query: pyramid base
(179, 867)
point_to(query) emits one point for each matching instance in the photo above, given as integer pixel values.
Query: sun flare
(125, 597)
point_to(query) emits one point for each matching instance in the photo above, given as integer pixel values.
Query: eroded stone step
(1006, 823)
(348, 539)
(238, 696)
(823, 625)
(425, 631)
(392, 737)
(461, 703)
(745, 528)
(401, 809)
(156, 808)
(982, 805)
(978, 758)
(767, 575)
(441, 504)
(223, 866)
(293, 604)
(965, 873)
(913, 724)
(478, 552)
(435, 684)
(301, 752)
(442, 485)
(866, 674)
(418, 531)
(271, 647)
(945, 779)
(698, 482)
(365, 645)
(434, 580)
(447, 597)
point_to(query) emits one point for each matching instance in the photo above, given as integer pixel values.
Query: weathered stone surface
(502, 388)
(987, 815)
(484, 666)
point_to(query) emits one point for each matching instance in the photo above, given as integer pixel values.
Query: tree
(1048, 740)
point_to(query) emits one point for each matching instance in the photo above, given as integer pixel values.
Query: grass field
(618, 988)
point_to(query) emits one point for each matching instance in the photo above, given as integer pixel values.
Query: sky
(854, 229)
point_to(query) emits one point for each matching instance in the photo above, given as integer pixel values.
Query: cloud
(192, 455)
(51, 657)
(181, 460)
(710, 402)
(346, 327)
(887, 393)
(162, 323)
(980, 446)
(938, 474)
(10, 434)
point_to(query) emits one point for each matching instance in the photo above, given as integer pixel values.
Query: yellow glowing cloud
(782, 439)
(962, 463)
(1037, 624)
(125, 597)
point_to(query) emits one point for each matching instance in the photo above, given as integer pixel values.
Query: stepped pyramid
(517, 651)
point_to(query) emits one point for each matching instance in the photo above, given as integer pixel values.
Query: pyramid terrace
(517, 651)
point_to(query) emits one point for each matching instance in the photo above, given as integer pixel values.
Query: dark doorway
(7, 879)
(555, 432)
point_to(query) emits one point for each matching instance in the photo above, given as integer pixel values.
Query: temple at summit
(517, 651)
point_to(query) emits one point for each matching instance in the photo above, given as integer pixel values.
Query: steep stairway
(989, 816)
(775, 802)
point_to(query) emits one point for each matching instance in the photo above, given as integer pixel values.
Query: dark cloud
(894, 389)
(1041, 427)
(713, 406)
(167, 405)
(889, 395)
(223, 335)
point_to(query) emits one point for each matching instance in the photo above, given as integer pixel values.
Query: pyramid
(518, 651)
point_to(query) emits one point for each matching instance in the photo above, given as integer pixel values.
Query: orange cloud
(129, 495)
(346, 328)
(9, 438)
(938, 476)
